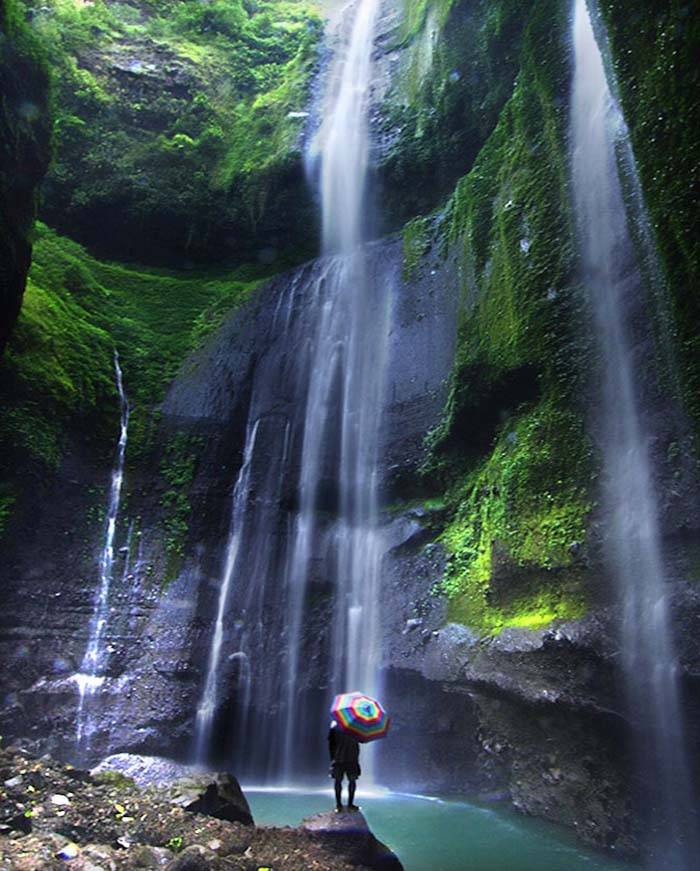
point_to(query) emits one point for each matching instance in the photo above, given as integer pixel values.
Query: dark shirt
(343, 748)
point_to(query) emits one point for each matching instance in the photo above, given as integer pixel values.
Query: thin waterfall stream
(90, 677)
(329, 456)
(207, 705)
(634, 537)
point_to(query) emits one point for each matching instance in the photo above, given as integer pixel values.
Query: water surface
(436, 835)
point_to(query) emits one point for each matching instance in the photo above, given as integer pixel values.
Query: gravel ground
(53, 816)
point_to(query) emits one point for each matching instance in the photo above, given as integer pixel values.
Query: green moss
(415, 15)
(24, 153)
(439, 110)
(115, 779)
(178, 468)
(417, 239)
(511, 450)
(528, 501)
(509, 224)
(58, 370)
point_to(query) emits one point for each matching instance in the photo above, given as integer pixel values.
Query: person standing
(345, 762)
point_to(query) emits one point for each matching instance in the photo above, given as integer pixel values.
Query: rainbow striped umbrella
(360, 716)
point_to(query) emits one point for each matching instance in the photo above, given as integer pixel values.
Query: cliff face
(498, 609)
(24, 155)
(165, 600)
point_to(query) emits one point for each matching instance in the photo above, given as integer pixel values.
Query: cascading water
(318, 561)
(351, 359)
(344, 138)
(634, 539)
(207, 705)
(95, 659)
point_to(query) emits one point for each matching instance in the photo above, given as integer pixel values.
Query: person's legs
(339, 793)
(352, 784)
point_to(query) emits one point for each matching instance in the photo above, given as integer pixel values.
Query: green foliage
(24, 152)
(175, 843)
(511, 450)
(58, 369)
(177, 121)
(56, 366)
(16, 37)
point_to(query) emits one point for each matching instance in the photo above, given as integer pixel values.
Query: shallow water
(436, 835)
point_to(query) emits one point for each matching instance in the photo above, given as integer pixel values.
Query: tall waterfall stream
(340, 380)
(633, 539)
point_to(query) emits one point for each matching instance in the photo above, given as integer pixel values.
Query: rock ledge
(349, 835)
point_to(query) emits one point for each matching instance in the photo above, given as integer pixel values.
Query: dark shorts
(351, 770)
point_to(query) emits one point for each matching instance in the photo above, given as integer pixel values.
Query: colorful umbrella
(360, 716)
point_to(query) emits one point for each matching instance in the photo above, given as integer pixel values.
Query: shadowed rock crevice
(25, 127)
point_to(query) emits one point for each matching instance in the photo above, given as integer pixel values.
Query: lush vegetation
(57, 376)
(178, 127)
(178, 468)
(522, 509)
(176, 132)
(511, 450)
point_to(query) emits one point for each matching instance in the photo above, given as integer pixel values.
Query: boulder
(145, 771)
(349, 835)
(217, 795)
(214, 795)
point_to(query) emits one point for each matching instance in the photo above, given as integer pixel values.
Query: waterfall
(95, 658)
(210, 695)
(344, 138)
(350, 358)
(634, 537)
(300, 587)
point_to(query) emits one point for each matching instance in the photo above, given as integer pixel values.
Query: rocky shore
(55, 816)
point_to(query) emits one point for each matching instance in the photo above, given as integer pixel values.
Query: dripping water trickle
(210, 695)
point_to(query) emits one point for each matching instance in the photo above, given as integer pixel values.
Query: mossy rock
(511, 453)
(653, 50)
(457, 64)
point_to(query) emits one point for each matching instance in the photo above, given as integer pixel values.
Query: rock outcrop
(170, 146)
(160, 637)
(349, 835)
